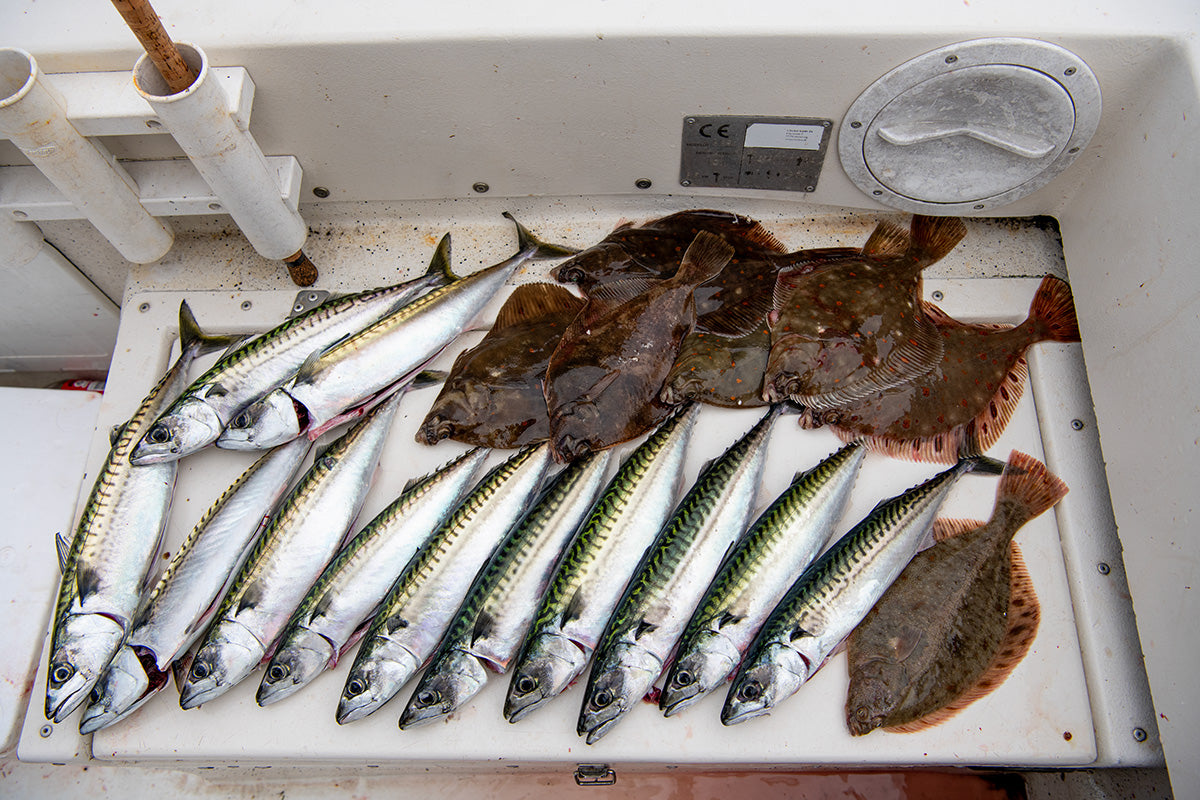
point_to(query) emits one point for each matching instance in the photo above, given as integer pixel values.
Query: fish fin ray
(1030, 483)
(63, 546)
(947, 528)
(643, 627)
(737, 319)
(934, 237)
(603, 299)
(887, 241)
(532, 301)
(191, 337)
(704, 259)
(485, 625)
(526, 239)
(1052, 312)
(440, 264)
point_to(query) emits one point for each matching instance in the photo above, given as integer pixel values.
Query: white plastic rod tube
(224, 154)
(33, 116)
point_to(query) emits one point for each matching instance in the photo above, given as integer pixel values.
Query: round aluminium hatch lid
(970, 127)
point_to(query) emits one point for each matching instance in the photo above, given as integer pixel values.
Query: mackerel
(288, 556)
(358, 577)
(671, 580)
(598, 565)
(178, 608)
(115, 544)
(249, 372)
(836, 591)
(420, 606)
(354, 370)
(499, 608)
(758, 571)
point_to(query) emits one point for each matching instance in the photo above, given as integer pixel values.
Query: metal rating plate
(783, 153)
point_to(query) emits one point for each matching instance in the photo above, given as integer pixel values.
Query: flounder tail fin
(1028, 486)
(1052, 313)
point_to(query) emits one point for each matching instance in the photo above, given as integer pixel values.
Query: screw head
(855, 124)
(1103, 568)
(1077, 424)
(951, 59)
(691, 120)
(643, 183)
(480, 187)
(246, 305)
(810, 188)
(321, 192)
(1073, 150)
(978, 206)
(1139, 735)
(46, 730)
(877, 192)
(685, 182)
(144, 307)
(1069, 71)
(937, 295)
(214, 206)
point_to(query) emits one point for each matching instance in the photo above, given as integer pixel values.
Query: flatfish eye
(526, 684)
(61, 674)
(200, 671)
(159, 434)
(571, 275)
(862, 714)
(428, 697)
(355, 687)
(751, 691)
(277, 672)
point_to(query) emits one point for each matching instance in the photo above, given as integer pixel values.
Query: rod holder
(33, 116)
(225, 155)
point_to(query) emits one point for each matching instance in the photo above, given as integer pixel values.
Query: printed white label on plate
(791, 137)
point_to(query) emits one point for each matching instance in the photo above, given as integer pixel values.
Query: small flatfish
(964, 403)
(732, 303)
(959, 618)
(842, 330)
(493, 395)
(603, 380)
(719, 371)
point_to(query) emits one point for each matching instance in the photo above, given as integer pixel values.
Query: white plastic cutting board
(1040, 717)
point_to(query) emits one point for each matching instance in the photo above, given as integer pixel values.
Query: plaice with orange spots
(720, 371)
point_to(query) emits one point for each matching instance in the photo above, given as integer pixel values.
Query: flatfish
(719, 371)
(732, 303)
(957, 621)
(603, 380)
(843, 330)
(963, 404)
(493, 395)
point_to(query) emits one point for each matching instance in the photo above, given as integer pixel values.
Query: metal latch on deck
(595, 775)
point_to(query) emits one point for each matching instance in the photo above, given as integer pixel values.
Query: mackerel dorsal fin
(644, 627)
(526, 239)
(115, 432)
(534, 301)
(887, 240)
(64, 549)
(191, 337)
(439, 263)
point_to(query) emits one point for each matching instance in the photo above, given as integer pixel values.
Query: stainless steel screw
(643, 183)
(1103, 568)
(480, 187)
(1077, 424)
(855, 124)
(144, 307)
(951, 59)
(321, 191)
(937, 295)
(1069, 71)
(46, 730)
(1139, 735)
(691, 120)
(246, 305)
(685, 183)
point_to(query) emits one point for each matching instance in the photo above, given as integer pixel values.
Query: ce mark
(706, 130)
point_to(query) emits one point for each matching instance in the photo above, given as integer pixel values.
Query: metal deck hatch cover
(971, 126)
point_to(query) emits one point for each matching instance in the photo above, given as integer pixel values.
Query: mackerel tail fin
(1052, 313)
(1028, 486)
(526, 240)
(192, 338)
(932, 238)
(982, 465)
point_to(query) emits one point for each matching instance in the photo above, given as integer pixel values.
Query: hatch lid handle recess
(595, 775)
(1018, 143)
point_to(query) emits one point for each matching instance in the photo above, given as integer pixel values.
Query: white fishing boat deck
(560, 120)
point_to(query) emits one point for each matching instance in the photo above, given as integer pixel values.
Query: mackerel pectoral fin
(1024, 616)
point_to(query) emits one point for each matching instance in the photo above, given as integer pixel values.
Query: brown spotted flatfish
(719, 371)
(962, 405)
(603, 380)
(493, 395)
(842, 330)
(957, 621)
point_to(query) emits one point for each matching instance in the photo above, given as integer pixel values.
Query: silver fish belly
(598, 565)
(359, 576)
(671, 580)
(175, 612)
(834, 594)
(288, 556)
(753, 579)
(417, 611)
(497, 611)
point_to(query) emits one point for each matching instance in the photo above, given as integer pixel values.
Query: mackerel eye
(277, 672)
(61, 674)
(526, 684)
(684, 678)
(355, 687)
(428, 697)
(94, 696)
(602, 699)
(242, 420)
(751, 691)
(200, 671)
(159, 434)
